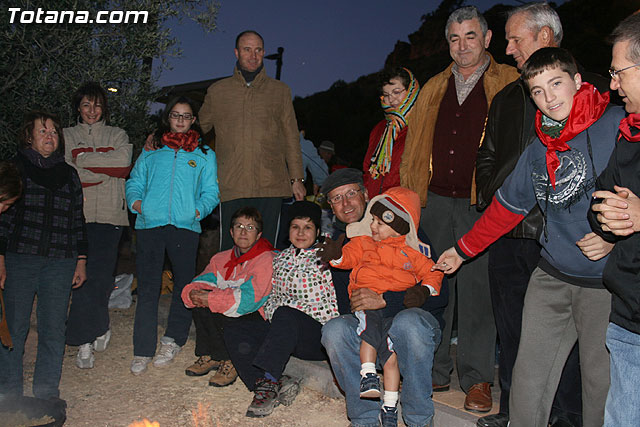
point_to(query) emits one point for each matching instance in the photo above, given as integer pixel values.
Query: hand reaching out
(449, 262)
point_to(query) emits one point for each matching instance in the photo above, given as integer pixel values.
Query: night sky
(324, 40)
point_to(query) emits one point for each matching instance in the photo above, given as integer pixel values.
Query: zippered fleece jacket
(395, 263)
(256, 136)
(172, 185)
(102, 156)
(244, 291)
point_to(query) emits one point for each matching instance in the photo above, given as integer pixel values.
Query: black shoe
(389, 416)
(495, 420)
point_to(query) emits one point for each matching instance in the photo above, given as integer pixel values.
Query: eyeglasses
(394, 93)
(249, 228)
(346, 196)
(176, 116)
(614, 73)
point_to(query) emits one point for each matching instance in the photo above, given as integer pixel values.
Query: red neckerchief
(632, 120)
(187, 141)
(262, 245)
(588, 106)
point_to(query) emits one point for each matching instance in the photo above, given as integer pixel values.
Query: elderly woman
(386, 142)
(301, 301)
(43, 252)
(102, 156)
(233, 287)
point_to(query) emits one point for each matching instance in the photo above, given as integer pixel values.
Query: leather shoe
(495, 420)
(478, 398)
(440, 387)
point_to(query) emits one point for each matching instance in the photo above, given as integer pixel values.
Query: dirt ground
(109, 395)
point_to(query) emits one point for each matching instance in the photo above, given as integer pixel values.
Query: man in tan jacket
(256, 139)
(445, 131)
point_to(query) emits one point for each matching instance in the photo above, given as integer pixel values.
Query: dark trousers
(269, 208)
(445, 220)
(511, 262)
(210, 332)
(257, 346)
(89, 312)
(373, 328)
(182, 247)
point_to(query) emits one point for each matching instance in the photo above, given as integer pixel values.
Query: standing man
(618, 210)
(512, 259)
(445, 132)
(256, 139)
(415, 332)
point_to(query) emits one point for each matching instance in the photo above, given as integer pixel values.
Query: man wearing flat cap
(414, 331)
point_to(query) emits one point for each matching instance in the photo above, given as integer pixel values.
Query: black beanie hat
(304, 209)
(392, 214)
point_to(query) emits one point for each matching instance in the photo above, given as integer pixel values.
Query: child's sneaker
(370, 386)
(389, 416)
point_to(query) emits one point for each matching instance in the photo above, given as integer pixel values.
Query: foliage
(41, 65)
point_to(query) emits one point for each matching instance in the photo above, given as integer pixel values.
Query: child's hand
(137, 206)
(448, 262)
(331, 249)
(594, 247)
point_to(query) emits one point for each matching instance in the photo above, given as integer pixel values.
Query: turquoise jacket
(172, 185)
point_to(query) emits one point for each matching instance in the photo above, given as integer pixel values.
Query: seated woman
(399, 90)
(233, 287)
(43, 252)
(301, 301)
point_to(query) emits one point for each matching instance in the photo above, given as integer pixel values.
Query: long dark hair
(166, 127)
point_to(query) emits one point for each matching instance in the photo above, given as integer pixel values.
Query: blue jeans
(50, 279)
(415, 334)
(623, 401)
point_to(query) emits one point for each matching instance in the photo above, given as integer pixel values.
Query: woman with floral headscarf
(399, 90)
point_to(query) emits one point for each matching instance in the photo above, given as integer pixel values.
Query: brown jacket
(416, 168)
(256, 136)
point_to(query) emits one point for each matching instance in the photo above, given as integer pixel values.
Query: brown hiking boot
(225, 376)
(202, 366)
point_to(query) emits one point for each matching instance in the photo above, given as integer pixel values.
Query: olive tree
(47, 49)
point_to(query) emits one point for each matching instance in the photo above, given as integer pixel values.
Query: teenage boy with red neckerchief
(566, 299)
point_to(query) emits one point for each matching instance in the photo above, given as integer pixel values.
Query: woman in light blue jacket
(171, 189)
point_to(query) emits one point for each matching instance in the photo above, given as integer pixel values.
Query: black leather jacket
(510, 129)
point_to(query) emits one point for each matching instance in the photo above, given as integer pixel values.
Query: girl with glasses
(170, 190)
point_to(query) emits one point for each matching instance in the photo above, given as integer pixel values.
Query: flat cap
(342, 177)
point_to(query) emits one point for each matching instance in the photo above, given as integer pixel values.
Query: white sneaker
(139, 364)
(101, 343)
(168, 350)
(85, 358)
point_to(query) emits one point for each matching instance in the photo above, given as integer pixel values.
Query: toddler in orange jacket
(385, 254)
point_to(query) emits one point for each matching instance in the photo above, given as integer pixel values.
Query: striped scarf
(396, 121)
